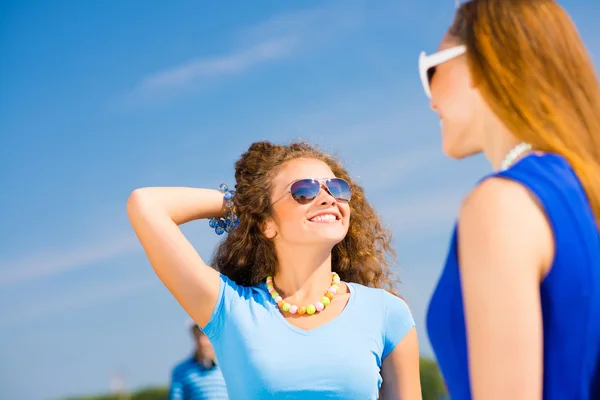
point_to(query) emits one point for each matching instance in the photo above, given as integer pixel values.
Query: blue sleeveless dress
(570, 293)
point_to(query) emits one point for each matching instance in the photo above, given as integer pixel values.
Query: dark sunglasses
(304, 191)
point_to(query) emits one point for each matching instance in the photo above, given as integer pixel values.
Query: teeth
(325, 217)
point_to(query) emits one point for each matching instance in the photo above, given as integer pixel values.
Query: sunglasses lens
(430, 74)
(339, 188)
(305, 190)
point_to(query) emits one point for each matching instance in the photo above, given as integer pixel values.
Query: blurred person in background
(198, 377)
(297, 306)
(516, 312)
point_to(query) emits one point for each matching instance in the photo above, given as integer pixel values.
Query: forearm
(180, 204)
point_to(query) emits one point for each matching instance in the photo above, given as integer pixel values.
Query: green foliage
(432, 383)
(152, 393)
(98, 397)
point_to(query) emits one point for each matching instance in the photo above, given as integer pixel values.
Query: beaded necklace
(311, 308)
(513, 154)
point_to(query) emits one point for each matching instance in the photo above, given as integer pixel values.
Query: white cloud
(279, 37)
(46, 264)
(312, 25)
(234, 62)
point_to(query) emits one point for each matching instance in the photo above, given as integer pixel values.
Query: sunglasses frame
(426, 62)
(322, 183)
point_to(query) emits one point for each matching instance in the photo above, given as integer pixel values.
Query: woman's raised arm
(155, 214)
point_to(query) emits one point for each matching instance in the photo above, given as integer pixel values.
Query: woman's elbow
(138, 204)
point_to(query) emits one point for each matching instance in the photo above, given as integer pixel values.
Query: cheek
(450, 84)
(459, 110)
(347, 215)
(346, 211)
(456, 103)
(290, 216)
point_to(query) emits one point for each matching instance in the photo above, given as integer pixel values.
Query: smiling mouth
(324, 218)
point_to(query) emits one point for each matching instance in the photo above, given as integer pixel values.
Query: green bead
(286, 307)
(325, 300)
(310, 309)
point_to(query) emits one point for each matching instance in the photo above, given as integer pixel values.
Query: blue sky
(98, 98)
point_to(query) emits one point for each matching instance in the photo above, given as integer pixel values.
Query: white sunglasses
(428, 64)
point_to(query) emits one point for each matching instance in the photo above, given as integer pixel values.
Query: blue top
(263, 356)
(570, 293)
(192, 381)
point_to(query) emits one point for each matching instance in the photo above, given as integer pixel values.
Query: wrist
(228, 219)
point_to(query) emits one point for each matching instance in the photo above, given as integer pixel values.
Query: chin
(455, 155)
(457, 150)
(330, 238)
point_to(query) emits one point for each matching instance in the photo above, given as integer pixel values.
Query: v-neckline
(307, 332)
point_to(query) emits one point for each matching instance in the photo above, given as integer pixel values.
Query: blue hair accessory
(230, 220)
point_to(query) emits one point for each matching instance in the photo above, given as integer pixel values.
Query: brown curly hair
(247, 257)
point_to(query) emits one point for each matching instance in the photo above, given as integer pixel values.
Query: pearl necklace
(513, 154)
(311, 308)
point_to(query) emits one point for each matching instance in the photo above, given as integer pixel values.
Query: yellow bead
(310, 309)
(325, 300)
(286, 307)
(336, 287)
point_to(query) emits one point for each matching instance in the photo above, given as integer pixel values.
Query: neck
(303, 275)
(207, 362)
(500, 142)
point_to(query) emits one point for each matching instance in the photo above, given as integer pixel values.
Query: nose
(327, 197)
(433, 106)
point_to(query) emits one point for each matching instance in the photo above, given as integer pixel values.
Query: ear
(269, 229)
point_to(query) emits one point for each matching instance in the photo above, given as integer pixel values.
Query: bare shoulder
(498, 194)
(503, 215)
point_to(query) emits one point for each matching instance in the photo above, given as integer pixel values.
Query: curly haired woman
(296, 306)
